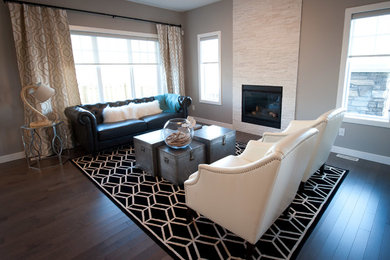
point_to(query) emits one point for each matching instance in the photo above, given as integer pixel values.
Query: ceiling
(176, 5)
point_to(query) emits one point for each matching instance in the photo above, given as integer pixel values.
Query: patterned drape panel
(44, 54)
(171, 52)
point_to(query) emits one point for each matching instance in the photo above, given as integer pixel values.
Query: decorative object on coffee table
(176, 165)
(178, 133)
(219, 141)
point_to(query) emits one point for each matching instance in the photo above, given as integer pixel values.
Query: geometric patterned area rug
(158, 207)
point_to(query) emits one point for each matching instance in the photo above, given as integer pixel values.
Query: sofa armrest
(184, 102)
(84, 127)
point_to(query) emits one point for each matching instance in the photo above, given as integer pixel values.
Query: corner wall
(211, 18)
(319, 65)
(11, 106)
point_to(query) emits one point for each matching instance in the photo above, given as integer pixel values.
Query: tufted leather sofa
(94, 135)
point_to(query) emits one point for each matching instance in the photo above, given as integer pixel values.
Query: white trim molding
(76, 28)
(12, 157)
(362, 155)
(212, 122)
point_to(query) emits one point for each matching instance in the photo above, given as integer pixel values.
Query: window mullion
(131, 72)
(98, 69)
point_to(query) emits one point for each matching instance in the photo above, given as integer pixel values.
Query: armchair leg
(190, 215)
(249, 250)
(322, 168)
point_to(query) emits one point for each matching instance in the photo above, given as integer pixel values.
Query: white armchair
(247, 193)
(327, 124)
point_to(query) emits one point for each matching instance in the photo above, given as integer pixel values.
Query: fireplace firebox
(262, 105)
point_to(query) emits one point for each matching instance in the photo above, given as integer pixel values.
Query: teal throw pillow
(161, 101)
(172, 102)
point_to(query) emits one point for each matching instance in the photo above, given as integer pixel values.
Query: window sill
(365, 121)
(219, 103)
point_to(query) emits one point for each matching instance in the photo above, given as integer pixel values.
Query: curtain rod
(91, 12)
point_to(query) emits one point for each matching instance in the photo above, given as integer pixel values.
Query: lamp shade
(43, 93)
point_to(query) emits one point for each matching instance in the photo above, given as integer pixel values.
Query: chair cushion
(230, 161)
(158, 121)
(118, 129)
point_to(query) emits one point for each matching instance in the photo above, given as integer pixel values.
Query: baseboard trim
(362, 155)
(212, 122)
(11, 157)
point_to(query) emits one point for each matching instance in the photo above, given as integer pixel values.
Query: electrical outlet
(341, 131)
(193, 107)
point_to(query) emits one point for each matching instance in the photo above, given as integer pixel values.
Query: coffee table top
(151, 137)
(212, 132)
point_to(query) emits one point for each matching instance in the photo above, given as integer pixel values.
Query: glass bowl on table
(178, 133)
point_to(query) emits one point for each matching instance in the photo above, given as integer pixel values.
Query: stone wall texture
(368, 92)
(265, 52)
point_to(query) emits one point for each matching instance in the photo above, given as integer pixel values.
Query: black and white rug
(158, 207)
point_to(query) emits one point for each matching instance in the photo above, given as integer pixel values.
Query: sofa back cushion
(97, 109)
(114, 114)
(130, 111)
(145, 109)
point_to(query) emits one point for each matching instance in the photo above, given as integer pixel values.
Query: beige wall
(319, 64)
(11, 111)
(211, 18)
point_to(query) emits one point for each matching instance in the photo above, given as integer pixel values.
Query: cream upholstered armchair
(327, 124)
(247, 193)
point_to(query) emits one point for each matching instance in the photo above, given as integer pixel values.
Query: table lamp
(41, 93)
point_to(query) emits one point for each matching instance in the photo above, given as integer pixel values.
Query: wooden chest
(176, 165)
(220, 141)
(145, 146)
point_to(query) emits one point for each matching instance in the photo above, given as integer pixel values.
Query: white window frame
(342, 89)
(206, 35)
(103, 31)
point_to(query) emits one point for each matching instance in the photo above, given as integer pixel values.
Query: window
(365, 66)
(112, 67)
(209, 56)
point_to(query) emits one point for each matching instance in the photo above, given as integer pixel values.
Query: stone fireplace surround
(265, 52)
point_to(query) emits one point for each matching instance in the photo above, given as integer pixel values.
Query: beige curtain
(171, 53)
(44, 54)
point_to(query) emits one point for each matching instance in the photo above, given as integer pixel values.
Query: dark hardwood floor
(59, 213)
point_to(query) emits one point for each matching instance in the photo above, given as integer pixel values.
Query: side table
(145, 146)
(219, 141)
(32, 142)
(176, 165)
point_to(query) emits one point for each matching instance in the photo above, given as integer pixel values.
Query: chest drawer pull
(166, 160)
